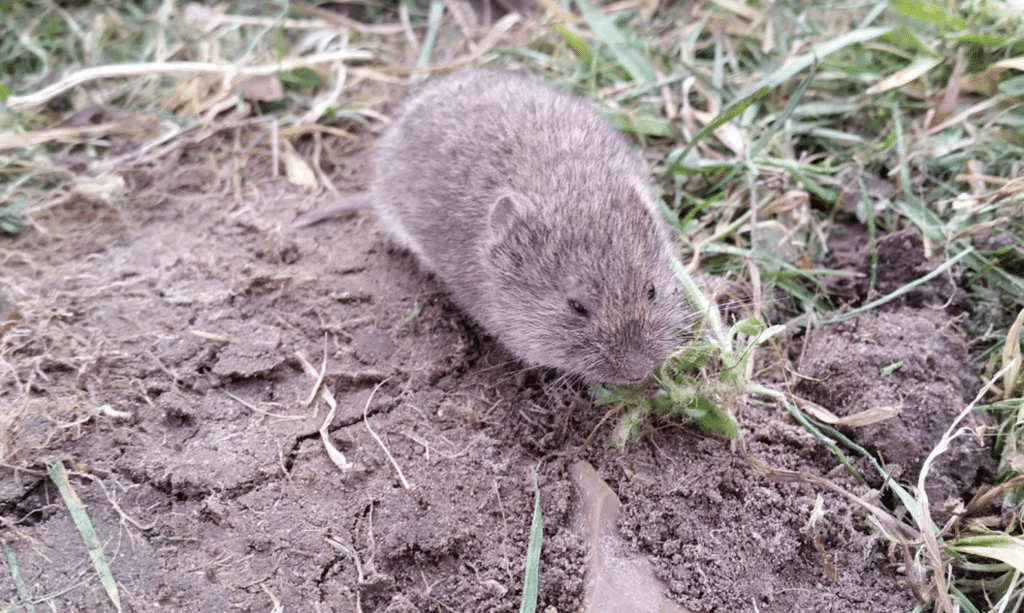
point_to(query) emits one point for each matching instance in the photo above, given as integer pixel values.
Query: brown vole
(536, 215)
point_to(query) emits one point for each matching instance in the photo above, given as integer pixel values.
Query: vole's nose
(629, 368)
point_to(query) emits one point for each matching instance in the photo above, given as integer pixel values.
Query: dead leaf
(296, 169)
(616, 582)
(263, 88)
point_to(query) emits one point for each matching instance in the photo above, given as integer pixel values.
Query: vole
(538, 218)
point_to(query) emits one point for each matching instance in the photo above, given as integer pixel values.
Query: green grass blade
(59, 476)
(780, 121)
(630, 57)
(762, 142)
(902, 290)
(965, 602)
(529, 602)
(12, 564)
(711, 417)
(648, 125)
(816, 431)
(430, 40)
(934, 228)
(800, 63)
(931, 12)
(1003, 547)
(577, 44)
(727, 115)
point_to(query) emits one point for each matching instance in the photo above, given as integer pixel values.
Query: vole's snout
(636, 348)
(630, 362)
(631, 371)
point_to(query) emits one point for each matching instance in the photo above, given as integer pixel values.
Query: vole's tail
(352, 204)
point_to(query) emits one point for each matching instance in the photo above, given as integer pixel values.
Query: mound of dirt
(160, 357)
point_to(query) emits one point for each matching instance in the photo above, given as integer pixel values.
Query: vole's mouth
(628, 371)
(626, 381)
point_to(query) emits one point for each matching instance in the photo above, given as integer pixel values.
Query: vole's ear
(513, 229)
(508, 209)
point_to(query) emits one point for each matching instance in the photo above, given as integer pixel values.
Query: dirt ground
(165, 339)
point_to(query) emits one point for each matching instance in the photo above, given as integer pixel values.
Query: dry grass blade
(318, 375)
(21, 140)
(986, 496)
(275, 601)
(863, 418)
(366, 420)
(255, 409)
(351, 553)
(915, 71)
(931, 544)
(59, 476)
(336, 455)
(226, 71)
(1012, 356)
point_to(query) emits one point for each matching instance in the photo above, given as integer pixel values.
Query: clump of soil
(847, 370)
(169, 340)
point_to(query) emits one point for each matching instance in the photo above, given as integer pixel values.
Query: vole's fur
(536, 215)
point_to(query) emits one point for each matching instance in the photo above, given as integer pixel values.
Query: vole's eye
(578, 308)
(651, 294)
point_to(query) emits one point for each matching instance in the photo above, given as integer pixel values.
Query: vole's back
(537, 216)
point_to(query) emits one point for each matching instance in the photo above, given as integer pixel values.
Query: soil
(158, 358)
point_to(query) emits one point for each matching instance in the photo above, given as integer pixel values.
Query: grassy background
(755, 119)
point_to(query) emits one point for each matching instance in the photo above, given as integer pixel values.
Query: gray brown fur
(536, 215)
